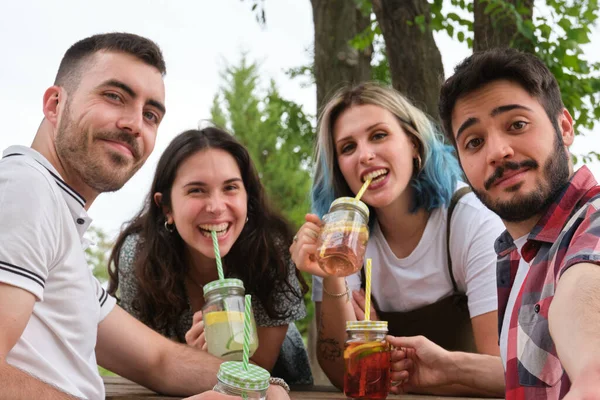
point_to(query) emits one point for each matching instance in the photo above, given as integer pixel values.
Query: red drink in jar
(367, 360)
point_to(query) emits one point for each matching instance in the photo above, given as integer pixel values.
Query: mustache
(124, 138)
(508, 166)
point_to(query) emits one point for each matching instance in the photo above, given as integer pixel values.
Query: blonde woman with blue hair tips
(431, 240)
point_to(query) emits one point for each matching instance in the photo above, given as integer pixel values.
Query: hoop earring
(246, 219)
(169, 227)
(418, 162)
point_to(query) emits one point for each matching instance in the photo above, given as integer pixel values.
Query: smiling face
(108, 126)
(514, 157)
(208, 194)
(369, 142)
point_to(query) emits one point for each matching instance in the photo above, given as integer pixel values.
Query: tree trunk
(415, 61)
(336, 61)
(500, 30)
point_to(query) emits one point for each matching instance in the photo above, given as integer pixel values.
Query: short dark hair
(485, 67)
(69, 71)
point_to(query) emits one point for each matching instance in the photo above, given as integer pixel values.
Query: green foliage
(98, 252)
(587, 158)
(105, 372)
(364, 6)
(307, 72)
(380, 67)
(365, 38)
(557, 36)
(456, 26)
(558, 40)
(96, 256)
(258, 8)
(380, 70)
(278, 134)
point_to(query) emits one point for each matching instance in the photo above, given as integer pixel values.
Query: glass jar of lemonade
(223, 316)
(234, 380)
(343, 240)
(367, 358)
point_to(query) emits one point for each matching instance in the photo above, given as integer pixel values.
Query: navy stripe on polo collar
(74, 201)
(21, 151)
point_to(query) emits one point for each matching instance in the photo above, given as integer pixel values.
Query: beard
(521, 207)
(102, 171)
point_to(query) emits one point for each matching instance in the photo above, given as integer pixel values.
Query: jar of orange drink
(367, 358)
(343, 240)
(223, 316)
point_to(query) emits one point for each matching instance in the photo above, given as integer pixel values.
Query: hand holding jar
(223, 317)
(335, 246)
(304, 246)
(343, 240)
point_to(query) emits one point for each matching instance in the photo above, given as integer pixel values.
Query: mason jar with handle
(234, 380)
(343, 240)
(367, 360)
(223, 316)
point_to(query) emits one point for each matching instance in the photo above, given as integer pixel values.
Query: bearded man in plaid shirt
(503, 112)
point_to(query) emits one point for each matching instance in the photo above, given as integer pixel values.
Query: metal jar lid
(233, 374)
(373, 326)
(220, 284)
(352, 202)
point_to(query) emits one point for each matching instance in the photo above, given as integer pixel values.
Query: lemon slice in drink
(237, 338)
(364, 350)
(217, 317)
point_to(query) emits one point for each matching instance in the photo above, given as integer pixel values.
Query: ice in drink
(225, 334)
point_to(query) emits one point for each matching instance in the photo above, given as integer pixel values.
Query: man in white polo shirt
(100, 122)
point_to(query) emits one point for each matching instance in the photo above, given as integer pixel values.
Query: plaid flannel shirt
(567, 234)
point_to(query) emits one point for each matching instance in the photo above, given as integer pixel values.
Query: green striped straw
(247, 316)
(217, 255)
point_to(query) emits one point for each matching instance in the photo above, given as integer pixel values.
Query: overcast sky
(197, 38)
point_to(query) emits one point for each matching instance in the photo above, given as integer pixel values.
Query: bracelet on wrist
(279, 382)
(337, 295)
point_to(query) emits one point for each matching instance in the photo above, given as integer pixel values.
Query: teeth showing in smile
(376, 176)
(221, 229)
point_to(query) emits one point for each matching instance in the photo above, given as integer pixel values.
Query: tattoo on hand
(329, 348)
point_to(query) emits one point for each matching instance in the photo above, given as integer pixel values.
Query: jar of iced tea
(223, 316)
(234, 380)
(367, 358)
(343, 240)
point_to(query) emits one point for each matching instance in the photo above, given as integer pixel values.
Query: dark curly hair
(259, 257)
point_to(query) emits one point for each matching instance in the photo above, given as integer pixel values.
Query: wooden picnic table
(118, 388)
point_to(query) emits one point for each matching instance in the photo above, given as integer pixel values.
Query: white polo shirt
(42, 223)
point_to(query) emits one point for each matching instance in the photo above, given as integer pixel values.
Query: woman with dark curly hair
(205, 181)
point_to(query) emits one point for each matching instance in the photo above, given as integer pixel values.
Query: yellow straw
(363, 188)
(368, 291)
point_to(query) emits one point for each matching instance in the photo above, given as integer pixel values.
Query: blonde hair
(433, 185)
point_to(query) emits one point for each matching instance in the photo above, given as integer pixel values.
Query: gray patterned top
(292, 364)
